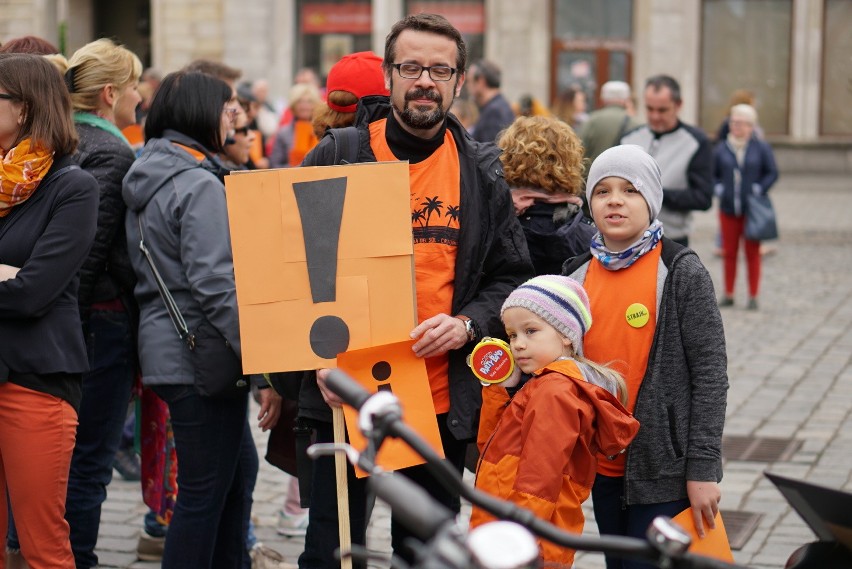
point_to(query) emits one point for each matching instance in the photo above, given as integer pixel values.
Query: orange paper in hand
(393, 367)
(715, 542)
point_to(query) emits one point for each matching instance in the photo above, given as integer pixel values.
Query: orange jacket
(539, 448)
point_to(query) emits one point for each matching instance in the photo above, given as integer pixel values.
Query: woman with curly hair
(543, 165)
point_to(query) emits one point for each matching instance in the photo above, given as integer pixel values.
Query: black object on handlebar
(425, 521)
(347, 389)
(410, 503)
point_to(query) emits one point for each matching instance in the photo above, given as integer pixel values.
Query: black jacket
(492, 257)
(47, 236)
(106, 273)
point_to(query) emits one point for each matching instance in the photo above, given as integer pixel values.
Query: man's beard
(420, 119)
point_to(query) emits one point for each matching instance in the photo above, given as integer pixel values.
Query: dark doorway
(127, 22)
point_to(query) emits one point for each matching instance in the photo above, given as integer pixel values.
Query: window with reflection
(592, 44)
(836, 116)
(746, 45)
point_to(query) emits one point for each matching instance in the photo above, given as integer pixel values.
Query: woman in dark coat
(743, 163)
(102, 78)
(48, 215)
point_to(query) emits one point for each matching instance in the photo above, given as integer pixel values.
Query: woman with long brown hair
(48, 215)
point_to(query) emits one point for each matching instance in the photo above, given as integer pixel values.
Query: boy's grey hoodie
(681, 402)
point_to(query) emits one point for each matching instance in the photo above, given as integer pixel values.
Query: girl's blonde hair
(325, 117)
(542, 152)
(96, 65)
(609, 373)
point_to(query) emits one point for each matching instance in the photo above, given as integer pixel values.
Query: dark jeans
(614, 518)
(322, 538)
(106, 393)
(206, 531)
(250, 464)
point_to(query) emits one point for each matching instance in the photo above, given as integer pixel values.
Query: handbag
(761, 224)
(218, 370)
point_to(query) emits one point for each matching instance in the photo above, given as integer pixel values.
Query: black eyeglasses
(243, 130)
(7, 96)
(414, 71)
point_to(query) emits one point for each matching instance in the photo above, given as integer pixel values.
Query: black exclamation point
(321, 205)
(382, 371)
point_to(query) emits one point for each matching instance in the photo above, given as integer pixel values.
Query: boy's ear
(567, 343)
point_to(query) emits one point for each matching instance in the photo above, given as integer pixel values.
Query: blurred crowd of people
(121, 154)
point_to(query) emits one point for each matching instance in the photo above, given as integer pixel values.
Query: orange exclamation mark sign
(320, 206)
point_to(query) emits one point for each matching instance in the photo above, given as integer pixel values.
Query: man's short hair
(216, 69)
(660, 81)
(432, 23)
(489, 71)
(615, 92)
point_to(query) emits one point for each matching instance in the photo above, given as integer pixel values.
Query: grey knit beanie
(632, 163)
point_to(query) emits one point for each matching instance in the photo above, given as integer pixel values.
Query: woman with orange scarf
(48, 215)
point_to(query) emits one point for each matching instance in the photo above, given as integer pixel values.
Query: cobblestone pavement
(790, 377)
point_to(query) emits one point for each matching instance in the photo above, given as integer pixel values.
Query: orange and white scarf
(21, 171)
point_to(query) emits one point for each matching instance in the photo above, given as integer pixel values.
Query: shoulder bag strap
(346, 141)
(171, 306)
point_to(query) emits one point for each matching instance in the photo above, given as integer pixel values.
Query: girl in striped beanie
(540, 444)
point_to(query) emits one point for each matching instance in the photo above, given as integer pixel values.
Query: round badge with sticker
(637, 315)
(491, 361)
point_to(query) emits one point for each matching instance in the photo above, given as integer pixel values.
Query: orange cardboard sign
(323, 262)
(715, 542)
(394, 368)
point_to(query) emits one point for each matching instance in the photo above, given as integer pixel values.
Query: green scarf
(101, 123)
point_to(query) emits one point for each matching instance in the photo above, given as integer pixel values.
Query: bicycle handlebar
(409, 506)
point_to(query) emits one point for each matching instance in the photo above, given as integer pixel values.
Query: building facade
(793, 54)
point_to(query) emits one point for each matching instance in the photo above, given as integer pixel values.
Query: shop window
(836, 118)
(468, 17)
(746, 45)
(331, 29)
(592, 44)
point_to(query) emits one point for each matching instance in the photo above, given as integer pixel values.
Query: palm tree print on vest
(441, 231)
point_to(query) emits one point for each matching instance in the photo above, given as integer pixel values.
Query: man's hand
(330, 398)
(438, 335)
(8, 272)
(270, 408)
(704, 498)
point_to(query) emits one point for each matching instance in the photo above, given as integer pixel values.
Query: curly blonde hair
(542, 152)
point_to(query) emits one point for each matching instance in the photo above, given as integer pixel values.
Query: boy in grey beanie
(655, 313)
(632, 163)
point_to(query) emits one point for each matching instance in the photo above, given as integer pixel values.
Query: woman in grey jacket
(174, 191)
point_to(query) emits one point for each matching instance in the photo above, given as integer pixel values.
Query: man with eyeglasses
(495, 112)
(469, 253)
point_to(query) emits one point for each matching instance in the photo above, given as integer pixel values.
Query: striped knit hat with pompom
(560, 301)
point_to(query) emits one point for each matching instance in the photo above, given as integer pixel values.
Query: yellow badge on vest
(637, 315)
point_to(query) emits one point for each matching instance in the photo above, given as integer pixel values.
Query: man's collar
(660, 134)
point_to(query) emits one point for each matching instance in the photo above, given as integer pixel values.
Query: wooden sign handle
(342, 489)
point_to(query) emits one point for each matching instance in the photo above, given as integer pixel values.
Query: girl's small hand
(513, 380)
(704, 498)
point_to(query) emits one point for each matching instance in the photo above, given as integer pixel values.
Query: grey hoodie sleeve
(206, 257)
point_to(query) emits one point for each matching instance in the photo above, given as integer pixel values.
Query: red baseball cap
(357, 73)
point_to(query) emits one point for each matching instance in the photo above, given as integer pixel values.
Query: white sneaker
(290, 525)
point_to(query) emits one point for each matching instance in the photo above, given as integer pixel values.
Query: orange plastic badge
(491, 360)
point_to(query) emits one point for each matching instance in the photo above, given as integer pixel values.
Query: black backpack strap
(346, 144)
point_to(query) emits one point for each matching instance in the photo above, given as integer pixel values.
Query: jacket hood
(161, 161)
(616, 427)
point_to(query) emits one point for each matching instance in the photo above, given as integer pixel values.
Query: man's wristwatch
(469, 327)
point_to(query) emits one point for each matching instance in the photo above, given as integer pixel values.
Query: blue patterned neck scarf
(616, 260)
